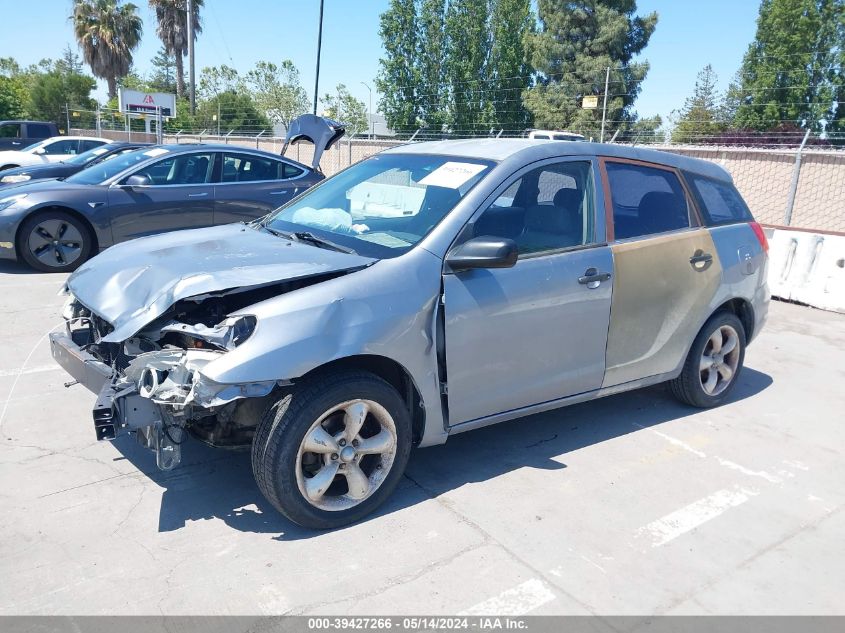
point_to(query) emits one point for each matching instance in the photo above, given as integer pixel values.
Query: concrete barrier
(808, 267)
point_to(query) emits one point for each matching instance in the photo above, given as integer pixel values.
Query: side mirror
(138, 180)
(40, 151)
(483, 252)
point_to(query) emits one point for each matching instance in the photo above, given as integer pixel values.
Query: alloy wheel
(719, 360)
(55, 243)
(346, 455)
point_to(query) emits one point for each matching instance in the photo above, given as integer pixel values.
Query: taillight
(761, 235)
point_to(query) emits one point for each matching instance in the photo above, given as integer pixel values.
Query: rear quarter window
(720, 202)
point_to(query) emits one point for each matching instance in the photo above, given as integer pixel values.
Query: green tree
(788, 73)
(69, 62)
(53, 91)
(577, 41)
(277, 90)
(702, 116)
(429, 63)
(343, 107)
(13, 98)
(163, 75)
(172, 30)
(397, 77)
(837, 123)
(467, 50)
(238, 114)
(511, 23)
(107, 31)
(215, 80)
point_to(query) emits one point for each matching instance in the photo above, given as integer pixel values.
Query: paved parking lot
(630, 505)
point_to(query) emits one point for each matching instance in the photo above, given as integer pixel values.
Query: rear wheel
(331, 452)
(54, 242)
(713, 364)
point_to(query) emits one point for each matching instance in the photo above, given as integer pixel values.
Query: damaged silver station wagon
(429, 290)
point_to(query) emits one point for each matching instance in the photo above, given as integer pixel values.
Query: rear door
(666, 266)
(536, 332)
(252, 185)
(181, 196)
(11, 137)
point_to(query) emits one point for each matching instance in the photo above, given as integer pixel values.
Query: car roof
(529, 150)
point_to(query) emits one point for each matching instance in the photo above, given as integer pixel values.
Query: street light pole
(319, 47)
(372, 125)
(190, 20)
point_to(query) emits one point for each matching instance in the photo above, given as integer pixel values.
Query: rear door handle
(279, 193)
(198, 195)
(700, 260)
(592, 278)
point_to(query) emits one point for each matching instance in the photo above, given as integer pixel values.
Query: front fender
(386, 310)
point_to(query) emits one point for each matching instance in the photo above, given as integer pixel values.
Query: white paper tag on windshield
(451, 174)
(156, 151)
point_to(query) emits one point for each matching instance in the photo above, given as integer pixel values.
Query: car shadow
(15, 267)
(216, 484)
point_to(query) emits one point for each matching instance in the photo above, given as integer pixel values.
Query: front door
(536, 332)
(180, 196)
(667, 271)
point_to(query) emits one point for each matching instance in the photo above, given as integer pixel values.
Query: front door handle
(700, 260)
(198, 195)
(592, 278)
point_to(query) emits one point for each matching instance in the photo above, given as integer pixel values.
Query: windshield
(101, 172)
(384, 205)
(86, 157)
(29, 148)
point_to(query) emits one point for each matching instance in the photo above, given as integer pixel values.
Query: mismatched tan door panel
(662, 285)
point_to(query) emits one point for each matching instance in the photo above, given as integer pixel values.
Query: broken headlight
(240, 328)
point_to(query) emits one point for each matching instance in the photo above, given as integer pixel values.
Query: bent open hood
(134, 283)
(318, 130)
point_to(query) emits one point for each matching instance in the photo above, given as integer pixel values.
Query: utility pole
(190, 19)
(372, 125)
(604, 107)
(319, 47)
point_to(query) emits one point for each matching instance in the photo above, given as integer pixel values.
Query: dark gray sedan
(55, 226)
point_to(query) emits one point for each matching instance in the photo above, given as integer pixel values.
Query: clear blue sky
(689, 35)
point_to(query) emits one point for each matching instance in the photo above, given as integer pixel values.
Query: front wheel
(54, 242)
(714, 362)
(332, 451)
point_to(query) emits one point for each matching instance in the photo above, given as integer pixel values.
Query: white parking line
(4, 373)
(518, 600)
(686, 519)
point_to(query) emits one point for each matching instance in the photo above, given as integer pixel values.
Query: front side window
(86, 157)
(646, 200)
(184, 169)
(384, 205)
(67, 146)
(250, 168)
(10, 130)
(549, 208)
(719, 202)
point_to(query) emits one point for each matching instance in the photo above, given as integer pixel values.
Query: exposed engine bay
(154, 384)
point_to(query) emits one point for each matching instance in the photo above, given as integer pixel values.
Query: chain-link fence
(798, 186)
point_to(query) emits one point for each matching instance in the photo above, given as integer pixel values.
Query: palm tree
(172, 29)
(107, 32)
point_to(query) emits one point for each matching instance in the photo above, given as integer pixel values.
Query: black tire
(282, 429)
(689, 387)
(71, 253)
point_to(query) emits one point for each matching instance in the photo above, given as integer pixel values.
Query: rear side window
(251, 168)
(86, 145)
(646, 200)
(720, 202)
(36, 130)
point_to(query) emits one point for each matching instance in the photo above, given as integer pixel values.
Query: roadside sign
(136, 102)
(590, 102)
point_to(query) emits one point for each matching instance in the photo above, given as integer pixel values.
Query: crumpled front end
(153, 384)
